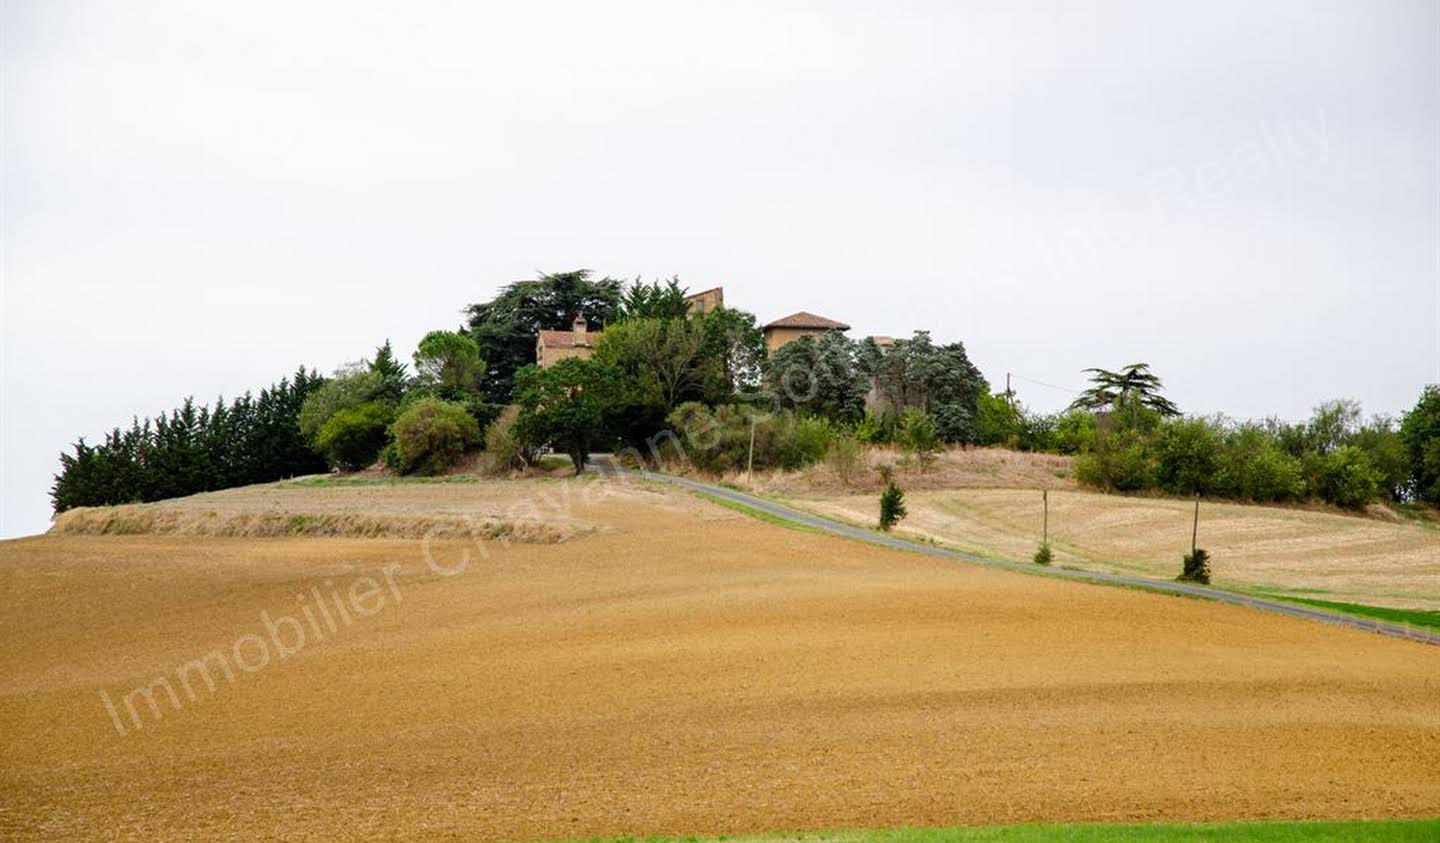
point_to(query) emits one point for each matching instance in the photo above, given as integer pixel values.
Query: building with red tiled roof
(551, 346)
(798, 325)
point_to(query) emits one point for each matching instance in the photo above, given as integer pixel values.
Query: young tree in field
(450, 362)
(566, 406)
(505, 327)
(1135, 381)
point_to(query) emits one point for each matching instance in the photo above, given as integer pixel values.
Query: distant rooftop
(805, 319)
(568, 339)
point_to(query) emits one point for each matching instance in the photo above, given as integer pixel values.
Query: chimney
(580, 326)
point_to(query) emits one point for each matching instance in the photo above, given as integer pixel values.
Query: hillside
(1283, 551)
(672, 667)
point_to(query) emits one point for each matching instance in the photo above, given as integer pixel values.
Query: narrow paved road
(807, 519)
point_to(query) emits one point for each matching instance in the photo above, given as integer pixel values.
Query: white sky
(198, 197)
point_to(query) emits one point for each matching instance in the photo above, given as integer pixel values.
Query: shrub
(1075, 432)
(812, 438)
(431, 436)
(955, 423)
(1345, 477)
(352, 438)
(918, 436)
(892, 504)
(1121, 460)
(1195, 567)
(1188, 455)
(504, 452)
(844, 456)
(871, 430)
(1253, 465)
(998, 422)
(718, 440)
(347, 389)
(1042, 556)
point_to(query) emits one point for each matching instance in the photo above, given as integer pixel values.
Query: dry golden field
(672, 668)
(1306, 553)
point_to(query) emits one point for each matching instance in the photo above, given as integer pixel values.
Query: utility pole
(1195, 530)
(750, 461)
(1045, 533)
(1009, 394)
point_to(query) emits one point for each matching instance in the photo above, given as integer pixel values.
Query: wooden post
(750, 461)
(1195, 529)
(1045, 535)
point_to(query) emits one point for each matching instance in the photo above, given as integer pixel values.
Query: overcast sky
(198, 197)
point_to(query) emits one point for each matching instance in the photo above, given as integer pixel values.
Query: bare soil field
(1299, 552)
(678, 669)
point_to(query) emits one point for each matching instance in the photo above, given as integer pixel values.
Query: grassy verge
(1244, 832)
(1411, 617)
(767, 517)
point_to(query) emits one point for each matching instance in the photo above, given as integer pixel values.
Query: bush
(504, 452)
(918, 436)
(1188, 455)
(892, 504)
(347, 389)
(352, 438)
(1254, 466)
(844, 456)
(1345, 477)
(718, 440)
(955, 423)
(1195, 567)
(431, 436)
(1120, 461)
(1075, 432)
(871, 430)
(998, 423)
(1042, 556)
(812, 438)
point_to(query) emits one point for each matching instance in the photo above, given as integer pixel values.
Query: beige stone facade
(705, 301)
(554, 346)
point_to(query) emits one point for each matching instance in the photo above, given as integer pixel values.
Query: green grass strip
(1358, 831)
(1413, 617)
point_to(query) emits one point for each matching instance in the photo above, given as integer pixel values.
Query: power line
(1050, 385)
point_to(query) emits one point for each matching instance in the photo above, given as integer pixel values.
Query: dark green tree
(193, 449)
(449, 362)
(916, 374)
(566, 406)
(1420, 431)
(385, 364)
(1134, 381)
(735, 345)
(506, 326)
(818, 376)
(655, 300)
